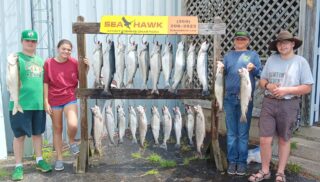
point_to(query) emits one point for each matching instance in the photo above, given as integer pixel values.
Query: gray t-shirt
(292, 72)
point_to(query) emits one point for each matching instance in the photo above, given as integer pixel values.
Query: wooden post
(82, 159)
(215, 148)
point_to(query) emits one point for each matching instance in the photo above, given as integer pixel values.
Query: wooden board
(140, 94)
(94, 28)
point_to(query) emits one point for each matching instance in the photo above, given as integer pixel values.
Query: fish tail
(243, 118)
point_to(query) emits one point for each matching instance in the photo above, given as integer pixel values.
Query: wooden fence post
(215, 148)
(82, 159)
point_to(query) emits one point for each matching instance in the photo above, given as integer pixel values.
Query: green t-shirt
(31, 76)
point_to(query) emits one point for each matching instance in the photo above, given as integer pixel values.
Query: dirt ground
(118, 164)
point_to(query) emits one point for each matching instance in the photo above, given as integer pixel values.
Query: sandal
(280, 177)
(256, 177)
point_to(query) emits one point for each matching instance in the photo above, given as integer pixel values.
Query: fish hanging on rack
(97, 64)
(109, 68)
(109, 120)
(155, 124)
(179, 67)
(132, 63)
(219, 85)
(202, 67)
(144, 64)
(143, 124)
(191, 60)
(167, 61)
(133, 123)
(121, 117)
(177, 125)
(190, 123)
(167, 126)
(155, 66)
(120, 65)
(98, 129)
(200, 128)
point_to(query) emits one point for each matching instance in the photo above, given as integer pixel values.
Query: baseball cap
(29, 35)
(241, 34)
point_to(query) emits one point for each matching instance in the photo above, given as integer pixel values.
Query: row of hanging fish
(110, 65)
(245, 89)
(138, 121)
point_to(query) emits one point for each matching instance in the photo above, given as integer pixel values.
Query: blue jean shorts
(63, 105)
(28, 123)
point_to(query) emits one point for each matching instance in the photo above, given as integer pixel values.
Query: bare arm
(47, 106)
(296, 90)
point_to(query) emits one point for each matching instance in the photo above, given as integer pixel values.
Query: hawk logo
(126, 22)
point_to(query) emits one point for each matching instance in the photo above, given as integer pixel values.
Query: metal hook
(130, 39)
(165, 39)
(107, 37)
(95, 39)
(118, 41)
(154, 36)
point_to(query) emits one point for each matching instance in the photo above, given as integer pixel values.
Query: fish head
(109, 109)
(205, 46)
(12, 59)
(243, 72)
(181, 45)
(197, 108)
(220, 67)
(168, 47)
(192, 47)
(165, 109)
(121, 47)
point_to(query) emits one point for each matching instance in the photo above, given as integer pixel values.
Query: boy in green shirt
(32, 120)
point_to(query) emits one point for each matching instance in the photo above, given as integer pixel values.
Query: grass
(136, 155)
(294, 168)
(154, 158)
(186, 161)
(151, 172)
(47, 153)
(3, 173)
(185, 148)
(168, 163)
(66, 153)
(293, 145)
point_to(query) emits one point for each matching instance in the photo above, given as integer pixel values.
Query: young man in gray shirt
(285, 77)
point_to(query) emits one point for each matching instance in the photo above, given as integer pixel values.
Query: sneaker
(74, 149)
(17, 174)
(43, 166)
(59, 165)
(232, 169)
(241, 170)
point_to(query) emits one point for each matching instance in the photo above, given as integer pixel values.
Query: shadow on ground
(117, 164)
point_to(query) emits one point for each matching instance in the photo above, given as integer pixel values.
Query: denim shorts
(63, 105)
(28, 123)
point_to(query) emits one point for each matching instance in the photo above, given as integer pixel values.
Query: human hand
(280, 91)
(47, 108)
(272, 86)
(250, 67)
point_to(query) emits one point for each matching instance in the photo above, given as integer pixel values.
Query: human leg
(56, 118)
(243, 129)
(232, 110)
(71, 113)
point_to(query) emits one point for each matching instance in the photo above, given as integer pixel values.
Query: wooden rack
(83, 93)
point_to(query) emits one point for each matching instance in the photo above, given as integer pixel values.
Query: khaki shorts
(278, 117)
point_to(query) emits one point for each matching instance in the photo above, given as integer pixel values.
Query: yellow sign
(149, 25)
